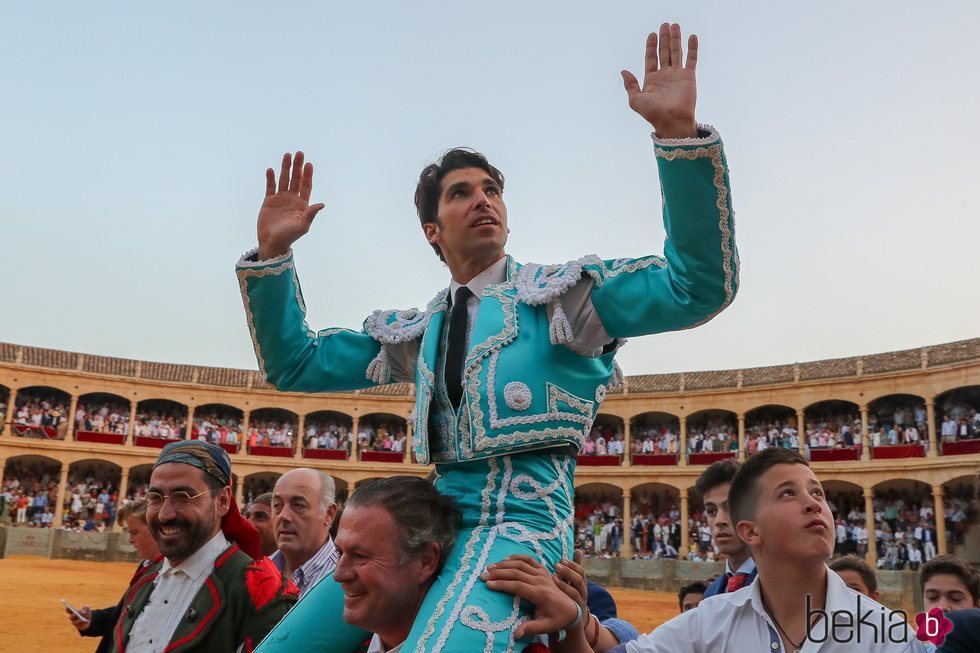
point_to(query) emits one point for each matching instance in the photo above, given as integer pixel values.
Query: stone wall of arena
(928, 373)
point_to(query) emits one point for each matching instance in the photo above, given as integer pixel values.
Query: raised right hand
(286, 213)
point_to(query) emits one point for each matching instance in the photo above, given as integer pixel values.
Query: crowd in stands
(37, 413)
(714, 437)
(90, 502)
(271, 433)
(603, 441)
(327, 435)
(160, 424)
(216, 428)
(384, 437)
(776, 433)
(654, 439)
(102, 417)
(27, 498)
(960, 421)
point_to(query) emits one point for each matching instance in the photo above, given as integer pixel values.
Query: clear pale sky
(135, 139)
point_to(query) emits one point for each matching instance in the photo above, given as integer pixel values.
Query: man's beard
(192, 536)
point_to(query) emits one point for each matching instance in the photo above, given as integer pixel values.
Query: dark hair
(213, 484)
(697, 587)
(721, 471)
(853, 563)
(430, 182)
(743, 495)
(422, 514)
(950, 564)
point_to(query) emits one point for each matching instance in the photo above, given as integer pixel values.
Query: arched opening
(599, 528)
(712, 431)
(898, 419)
(29, 491)
(92, 494)
(4, 400)
(258, 483)
(772, 425)
(653, 434)
(159, 421)
(328, 435)
(606, 438)
(846, 501)
(832, 424)
(219, 424)
(904, 520)
(102, 417)
(139, 481)
(272, 432)
(958, 420)
(960, 509)
(382, 437)
(41, 412)
(655, 521)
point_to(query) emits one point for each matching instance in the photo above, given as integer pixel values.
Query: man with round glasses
(213, 590)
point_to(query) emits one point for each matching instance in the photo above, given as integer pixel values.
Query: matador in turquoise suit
(510, 363)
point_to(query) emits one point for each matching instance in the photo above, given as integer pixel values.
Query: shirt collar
(746, 567)
(496, 273)
(839, 597)
(201, 562)
(317, 560)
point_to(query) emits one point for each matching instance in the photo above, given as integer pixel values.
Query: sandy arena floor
(33, 620)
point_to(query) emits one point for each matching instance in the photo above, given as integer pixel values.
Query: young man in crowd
(100, 623)
(949, 583)
(303, 510)
(779, 509)
(857, 574)
(259, 514)
(207, 594)
(691, 595)
(713, 487)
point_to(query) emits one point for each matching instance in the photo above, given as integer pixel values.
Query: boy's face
(792, 520)
(946, 591)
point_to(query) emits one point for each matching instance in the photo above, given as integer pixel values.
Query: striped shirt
(309, 574)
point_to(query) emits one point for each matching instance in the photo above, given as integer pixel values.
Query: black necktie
(456, 351)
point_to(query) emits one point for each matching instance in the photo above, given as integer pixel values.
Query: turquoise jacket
(524, 387)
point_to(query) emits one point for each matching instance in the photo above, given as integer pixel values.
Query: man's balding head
(303, 509)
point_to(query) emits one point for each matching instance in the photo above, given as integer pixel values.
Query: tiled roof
(909, 359)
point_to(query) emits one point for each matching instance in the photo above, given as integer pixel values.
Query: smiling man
(511, 361)
(303, 509)
(394, 537)
(207, 594)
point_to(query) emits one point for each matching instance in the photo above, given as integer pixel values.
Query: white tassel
(617, 380)
(559, 331)
(379, 371)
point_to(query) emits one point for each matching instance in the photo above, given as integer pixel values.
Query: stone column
(131, 433)
(685, 544)
(801, 431)
(409, 443)
(937, 497)
(123, 488)
(189, 429)
(240, 493)
(70, 431)
(741, 436)
(59, 506)
(865, 436)
(682, 445)
(9, 419)
(931, 426)
(627, 444)
(353, 438)
(626, 552)
(871, 557)
(300, 438)
(243, 440)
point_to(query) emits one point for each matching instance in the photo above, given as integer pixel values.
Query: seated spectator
(857, 574)
(949, 583)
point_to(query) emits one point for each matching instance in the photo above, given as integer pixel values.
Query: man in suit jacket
(213, 591)
(965, 636)
(511, 362)
(713, 486)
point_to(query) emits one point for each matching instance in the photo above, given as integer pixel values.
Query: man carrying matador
(510, 362)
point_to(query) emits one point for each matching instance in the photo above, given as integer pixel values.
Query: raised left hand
(669, 92)
(526, 578)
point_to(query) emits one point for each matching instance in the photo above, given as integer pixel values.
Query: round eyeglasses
(180, 500)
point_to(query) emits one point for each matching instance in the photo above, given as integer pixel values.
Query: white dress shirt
(174, 589)
(377, 647)
(737, 622)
